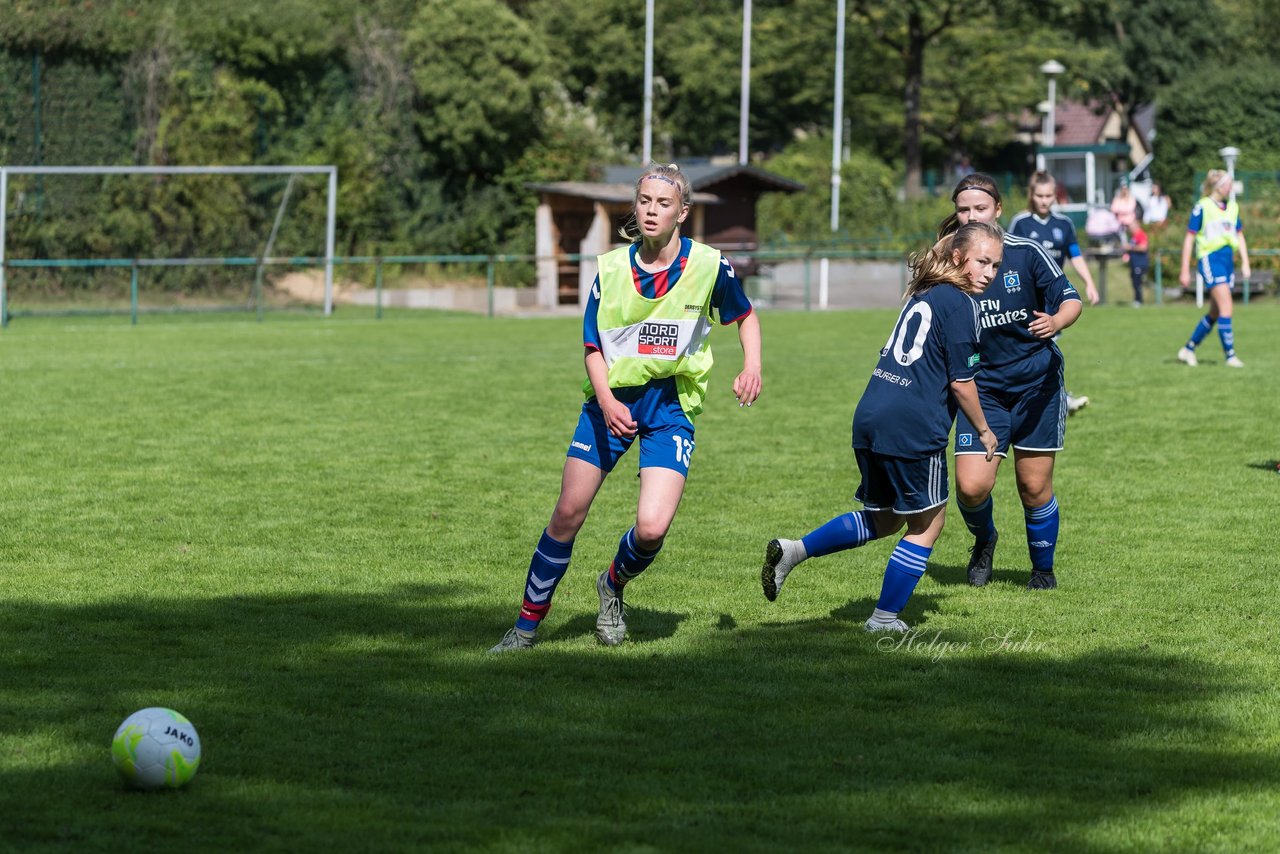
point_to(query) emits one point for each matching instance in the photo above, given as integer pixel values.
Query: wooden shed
(581, 218)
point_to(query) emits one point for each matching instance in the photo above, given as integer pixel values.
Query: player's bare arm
(746, 386)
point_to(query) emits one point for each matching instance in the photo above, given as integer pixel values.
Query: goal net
(163, 238)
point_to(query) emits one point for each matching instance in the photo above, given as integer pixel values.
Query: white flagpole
(837, 146)
(648, 82)
(745, 105)
(837, 125)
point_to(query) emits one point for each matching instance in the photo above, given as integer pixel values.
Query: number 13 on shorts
(684, 449)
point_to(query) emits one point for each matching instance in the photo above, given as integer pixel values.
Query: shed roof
(1079, 124)
(619, 183)
(620, 193)
(703, 176)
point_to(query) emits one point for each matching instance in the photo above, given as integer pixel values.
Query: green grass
(304, 533)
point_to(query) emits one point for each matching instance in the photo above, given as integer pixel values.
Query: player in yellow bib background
(648, 355)
(1215, 231)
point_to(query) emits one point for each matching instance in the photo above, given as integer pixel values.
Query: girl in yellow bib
(648, 356)
(1214, 231)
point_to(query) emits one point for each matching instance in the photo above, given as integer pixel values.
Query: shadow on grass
(945, 573)
(949, 574)
(377, 722)
(855, 612)
(644, 625)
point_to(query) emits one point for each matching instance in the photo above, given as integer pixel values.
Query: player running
(902, 421)
(648, 356)
(1215, 231)
(1057, 234)
(1021, 388)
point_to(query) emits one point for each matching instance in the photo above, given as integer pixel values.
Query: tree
(1221, 105)
(480, 73)
(596, 50)
(1145, 44)
(56, 27)
(909, 27)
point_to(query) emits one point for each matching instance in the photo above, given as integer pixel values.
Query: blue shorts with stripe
(1030, 418)
(665, 433)
(903, 485)
(1217, 268)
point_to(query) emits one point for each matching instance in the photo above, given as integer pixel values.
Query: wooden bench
(1259, 283)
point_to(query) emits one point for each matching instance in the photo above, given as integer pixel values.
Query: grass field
(304, 534)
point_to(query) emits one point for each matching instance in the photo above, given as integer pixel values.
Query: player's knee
(885, 523)
(1035, 493)
(566, 521)
(651, 532)
(917, 527)
(974, 492)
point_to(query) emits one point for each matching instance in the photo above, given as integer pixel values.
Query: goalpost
(330, 217)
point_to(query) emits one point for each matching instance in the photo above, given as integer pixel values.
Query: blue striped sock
(843, 532)
(906, 565)
(1042, 534)
(1201, 330)
(549, 563)
(978, 520)
(629, 562)
(1227, 335)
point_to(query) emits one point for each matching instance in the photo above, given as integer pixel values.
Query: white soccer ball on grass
(156, 748)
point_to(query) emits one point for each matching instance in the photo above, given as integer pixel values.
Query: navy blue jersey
(1055, 233)
(1028, 281)
(908, 408)
(728, 300)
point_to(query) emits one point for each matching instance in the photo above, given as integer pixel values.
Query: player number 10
(898, 337)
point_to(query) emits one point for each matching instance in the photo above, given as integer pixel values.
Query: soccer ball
(156, 747)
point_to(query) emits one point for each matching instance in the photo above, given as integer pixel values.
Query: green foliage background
(439, 112)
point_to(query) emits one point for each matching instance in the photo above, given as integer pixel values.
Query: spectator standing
(1136, 246)
(1157, 209)
(1125, 206)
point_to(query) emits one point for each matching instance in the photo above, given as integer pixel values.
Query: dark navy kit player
(648, 357)
(1022, 389)
(1057, 234)
(903, 420)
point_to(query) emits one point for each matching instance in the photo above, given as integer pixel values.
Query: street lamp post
(1044, 109)
(1229, 154)
(1051, 69)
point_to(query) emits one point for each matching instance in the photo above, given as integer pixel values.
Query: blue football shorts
(903, 485)
(1031, 418)
(1217, 268)
(664, 431)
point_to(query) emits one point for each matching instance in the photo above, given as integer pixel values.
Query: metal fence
(793, 278)
(813, 276)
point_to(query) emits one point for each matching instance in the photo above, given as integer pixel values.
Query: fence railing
(813, 287)
(1261, 278)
